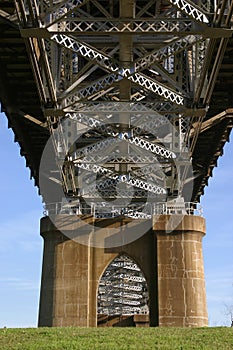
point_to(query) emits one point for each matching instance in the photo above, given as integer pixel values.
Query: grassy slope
(116, 338)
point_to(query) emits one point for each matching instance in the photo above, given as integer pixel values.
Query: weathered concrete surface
(141, 320)
(172, 264)
(181, 284)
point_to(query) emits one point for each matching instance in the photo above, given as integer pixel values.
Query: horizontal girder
(162, 26)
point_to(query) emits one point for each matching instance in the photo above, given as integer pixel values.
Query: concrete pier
(181, 283)
(172, 264)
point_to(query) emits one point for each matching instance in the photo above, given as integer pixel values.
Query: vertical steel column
(127, 10)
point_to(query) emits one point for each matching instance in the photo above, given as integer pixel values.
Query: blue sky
(21, 245)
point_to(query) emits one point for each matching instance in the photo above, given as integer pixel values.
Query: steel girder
(116, 27)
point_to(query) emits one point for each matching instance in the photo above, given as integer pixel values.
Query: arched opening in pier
(123, 298)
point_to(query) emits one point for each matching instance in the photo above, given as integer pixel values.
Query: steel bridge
(121, 109)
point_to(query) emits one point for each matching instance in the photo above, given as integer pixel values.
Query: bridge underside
(21, 102)
(121, 110)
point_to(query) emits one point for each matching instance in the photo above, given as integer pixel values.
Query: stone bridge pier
(171, 262)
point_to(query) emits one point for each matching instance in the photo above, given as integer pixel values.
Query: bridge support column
(181, 284)
(66, 286)
(172, 263)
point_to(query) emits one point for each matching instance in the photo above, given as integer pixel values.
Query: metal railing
(178, 208)
(144, 211)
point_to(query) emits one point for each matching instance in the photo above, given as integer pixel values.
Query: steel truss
(190, 9)
(127, 136)
(106, 63)
(170, 26)
(70, 47)
(113, 178)
(159, 55)
(158, 106)
(140, 122)
(72, 44)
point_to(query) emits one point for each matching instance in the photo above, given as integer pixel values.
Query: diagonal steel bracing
(113, 177)
(156, 51)
(191, 9)
(103, 126)
(106, 62)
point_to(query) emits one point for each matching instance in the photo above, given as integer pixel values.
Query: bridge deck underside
(21, 103)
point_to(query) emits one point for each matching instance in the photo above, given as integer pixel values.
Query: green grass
(116, 338)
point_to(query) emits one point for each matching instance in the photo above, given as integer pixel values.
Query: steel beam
(190, 9)
(166, 26)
